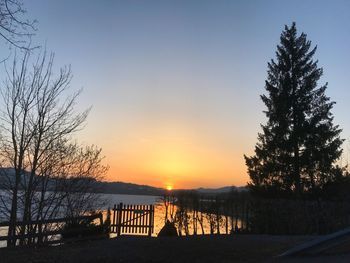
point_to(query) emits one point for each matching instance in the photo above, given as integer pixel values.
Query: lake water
(109, 201)
(159, 214)
(112, 199)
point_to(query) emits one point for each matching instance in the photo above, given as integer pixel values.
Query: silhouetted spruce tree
(299, 145)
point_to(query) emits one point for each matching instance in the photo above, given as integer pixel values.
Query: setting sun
(169, 187)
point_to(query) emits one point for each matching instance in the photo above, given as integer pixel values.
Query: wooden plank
(113, 219)
(132, 213)
(122, 223)
(139, 221)
(150, 222)
(134, 225)
(126, 221)
(133, 219)
(152, 218)
(123, 218)
(119, 218)
(137, 218)
(47, 233)
(130, 218)
(147, 219)
(143, 220)
(144, 231)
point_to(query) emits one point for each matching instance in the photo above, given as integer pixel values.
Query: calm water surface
(159, 214)
(112, 199)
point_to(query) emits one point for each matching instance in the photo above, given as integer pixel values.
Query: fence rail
(45, 222)
(52, 220)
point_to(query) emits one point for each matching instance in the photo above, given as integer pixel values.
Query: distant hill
(130, 188)
(99, 187)
(136, 189)
(127, 188)
(225, 189)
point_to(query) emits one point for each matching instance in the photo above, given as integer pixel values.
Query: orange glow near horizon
(175, 161)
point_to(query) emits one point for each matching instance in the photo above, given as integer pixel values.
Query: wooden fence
(133, 219)
(45, 234)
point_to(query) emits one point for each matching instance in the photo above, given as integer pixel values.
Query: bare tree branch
(52, 175)
(15, 29)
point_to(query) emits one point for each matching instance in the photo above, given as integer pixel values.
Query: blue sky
(183, 78)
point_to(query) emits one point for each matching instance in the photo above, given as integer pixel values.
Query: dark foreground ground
(239, 248)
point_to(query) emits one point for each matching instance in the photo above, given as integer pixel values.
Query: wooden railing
(126, 219)
(57, 231)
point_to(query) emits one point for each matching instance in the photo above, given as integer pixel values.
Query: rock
(168, 230)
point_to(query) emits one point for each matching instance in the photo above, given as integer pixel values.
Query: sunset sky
(175, 85)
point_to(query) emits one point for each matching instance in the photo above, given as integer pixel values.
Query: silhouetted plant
(82, 228)
(168, 230)
(168, 202)
(299, 145)
(181, 215)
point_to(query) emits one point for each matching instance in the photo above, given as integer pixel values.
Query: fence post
(119, 219)
(113, 222)
(150, 220)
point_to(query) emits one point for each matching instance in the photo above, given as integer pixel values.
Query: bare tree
(14, 28)
(81, 169)
(67, 183)
(37, 126)
(167, 200)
